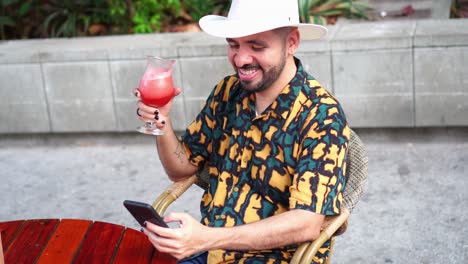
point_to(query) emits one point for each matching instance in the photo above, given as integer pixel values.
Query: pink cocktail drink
(156, 87)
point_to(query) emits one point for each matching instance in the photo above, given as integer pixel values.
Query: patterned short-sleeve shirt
(291, 156)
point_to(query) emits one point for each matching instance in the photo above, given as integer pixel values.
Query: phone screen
(144, 212)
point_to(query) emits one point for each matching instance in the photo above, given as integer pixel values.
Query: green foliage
(459, 9)
(4, 19)
(317, 11)
(150, 15)
(199, 8)
(8, 18)
(68, 18)
(120, 16)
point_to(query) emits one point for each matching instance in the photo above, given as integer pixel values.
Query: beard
(269, 76)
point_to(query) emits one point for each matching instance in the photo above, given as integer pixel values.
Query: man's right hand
(157, 115)
(170, 149)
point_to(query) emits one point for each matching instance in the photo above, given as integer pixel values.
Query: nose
(242, 57)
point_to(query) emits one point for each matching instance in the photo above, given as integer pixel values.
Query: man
(273, 139)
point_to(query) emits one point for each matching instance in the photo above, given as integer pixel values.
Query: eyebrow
(253, 41)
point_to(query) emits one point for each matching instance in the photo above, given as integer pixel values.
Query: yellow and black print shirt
(291, 156)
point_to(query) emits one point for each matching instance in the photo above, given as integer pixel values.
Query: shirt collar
(281, 106)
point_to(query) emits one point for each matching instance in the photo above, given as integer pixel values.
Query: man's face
(258, 59)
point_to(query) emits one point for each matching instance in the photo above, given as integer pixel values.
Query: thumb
(177, 91)
(177, 217)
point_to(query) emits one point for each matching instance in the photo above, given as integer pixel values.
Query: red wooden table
(76, 241)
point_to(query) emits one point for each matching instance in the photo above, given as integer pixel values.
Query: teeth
(247, 71)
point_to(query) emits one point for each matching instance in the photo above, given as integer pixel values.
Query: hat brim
(220, 26)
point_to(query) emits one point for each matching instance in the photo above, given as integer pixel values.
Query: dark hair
(283, 32)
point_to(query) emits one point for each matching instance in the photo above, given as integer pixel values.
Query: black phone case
(144, 212)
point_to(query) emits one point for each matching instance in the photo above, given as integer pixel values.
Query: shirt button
(236, 189)
(217, 217)
(223, 217)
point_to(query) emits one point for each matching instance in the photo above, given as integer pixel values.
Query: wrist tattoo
(180, 152)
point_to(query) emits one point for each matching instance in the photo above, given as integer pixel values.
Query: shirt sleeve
(199, 136)
(319, 178)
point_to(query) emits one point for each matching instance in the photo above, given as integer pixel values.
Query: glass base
(150, 131)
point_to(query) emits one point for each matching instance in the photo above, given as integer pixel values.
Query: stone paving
(413, 210)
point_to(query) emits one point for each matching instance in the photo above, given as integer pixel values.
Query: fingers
(147, 113)
(179, 242)
(162, 231)
(151, 114)
(181, 218)
(144, 111)
(167, 245)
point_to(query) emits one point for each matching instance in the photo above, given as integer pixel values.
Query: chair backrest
(356, 180)
(356, 172)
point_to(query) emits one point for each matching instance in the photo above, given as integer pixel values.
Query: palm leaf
(49, 19)
(304, 11)
(320, 20)
(332, 6)
(6, 21)
(335, 12)
(8, 2)
(347, 8)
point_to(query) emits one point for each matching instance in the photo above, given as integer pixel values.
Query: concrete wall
(392, 74)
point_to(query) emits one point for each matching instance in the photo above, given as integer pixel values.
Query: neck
(267, 97)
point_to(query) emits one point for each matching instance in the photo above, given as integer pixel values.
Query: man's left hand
(182, 242)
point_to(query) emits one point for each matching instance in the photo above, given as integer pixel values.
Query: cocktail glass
(156, 88)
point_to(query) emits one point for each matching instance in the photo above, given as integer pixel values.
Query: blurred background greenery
(459, 9)
(26, 19)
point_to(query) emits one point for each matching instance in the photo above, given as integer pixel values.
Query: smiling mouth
(247, 73)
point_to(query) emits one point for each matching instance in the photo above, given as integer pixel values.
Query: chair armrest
(307, 250)
(173, 192)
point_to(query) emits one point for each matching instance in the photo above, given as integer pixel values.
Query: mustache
(249, 66)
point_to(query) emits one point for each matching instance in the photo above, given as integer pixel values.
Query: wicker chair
(332, 226)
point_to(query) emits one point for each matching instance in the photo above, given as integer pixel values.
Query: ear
(293, 41)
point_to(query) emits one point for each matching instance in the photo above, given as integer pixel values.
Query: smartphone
(144, 212)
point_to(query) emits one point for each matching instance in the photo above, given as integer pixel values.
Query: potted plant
(459, 9)
(327, 11)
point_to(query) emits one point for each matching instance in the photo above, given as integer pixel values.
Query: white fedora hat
(247, 17)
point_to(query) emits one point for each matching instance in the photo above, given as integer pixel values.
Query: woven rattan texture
(357, 172)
